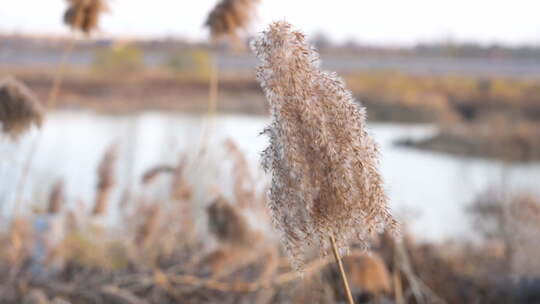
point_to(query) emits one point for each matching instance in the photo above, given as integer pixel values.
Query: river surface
(428, 190)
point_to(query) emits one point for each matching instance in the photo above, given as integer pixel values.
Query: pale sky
(387, 22)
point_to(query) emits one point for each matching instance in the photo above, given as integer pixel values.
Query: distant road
(417, 65)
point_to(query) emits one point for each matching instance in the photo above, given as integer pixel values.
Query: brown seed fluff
(230, 16)
(106, 180)
(57, 197)
(19, 108)
(324, 165)
(151, 174)
(227, 224)
(84, 15)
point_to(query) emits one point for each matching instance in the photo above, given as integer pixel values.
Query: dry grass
(57, 197)
(151, 258)
(227, 224)
(83, 15)
(150, 227)
(106, 180)
(369, 275)
(151, 174)
(229, 17)
(244, 183)
(19, 108)
(325, 178)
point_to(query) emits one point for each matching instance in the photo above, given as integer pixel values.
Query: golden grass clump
(84, 15)
(149, 228)
(324, 165)
(229, 17)
(106, 180)
(227, 224)
(369, 274)
(19, 108)
(57, 197)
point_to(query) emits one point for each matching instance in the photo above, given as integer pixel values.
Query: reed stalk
(213, 92)
(50, 102)
(224, 21)
(81, 15)
(341, 269)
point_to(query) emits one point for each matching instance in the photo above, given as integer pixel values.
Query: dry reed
(57, 197)
(151, 174)
(229, 17)
(325, 178)
(36, 296)
(84, 15)
(369, 274)
(180, 188)
(106, 180)
(227, 224)
(19, 108)
(149, 228)
(244, 184)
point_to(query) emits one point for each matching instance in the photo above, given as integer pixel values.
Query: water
(428, 190)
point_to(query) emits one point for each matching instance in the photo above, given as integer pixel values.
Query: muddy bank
(511, 143)
(158, 90)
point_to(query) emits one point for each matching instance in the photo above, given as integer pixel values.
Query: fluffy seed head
(324, 166)
(19, 108)
(151, 174)
(229, 17)
(84, 15)
(57, 197)
(106, 179)
(227, 224)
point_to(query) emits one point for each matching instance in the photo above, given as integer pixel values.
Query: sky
(384, 22)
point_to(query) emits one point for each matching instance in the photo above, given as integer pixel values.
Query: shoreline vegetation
(487, 117)
(159, 250)
(168, 215)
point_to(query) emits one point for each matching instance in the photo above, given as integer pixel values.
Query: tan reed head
(19, 108)
(324, 164)
(227, 224)
(229, 17)
(83, 15)
(151, 174)
(106, 180)
(57, 197)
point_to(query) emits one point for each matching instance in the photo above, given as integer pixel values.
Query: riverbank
(461, 106)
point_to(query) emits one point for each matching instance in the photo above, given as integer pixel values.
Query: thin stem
(213, 90)
(212, 103)
(341, 270)
(49, 104)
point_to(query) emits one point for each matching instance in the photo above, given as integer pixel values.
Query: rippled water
(429, 190)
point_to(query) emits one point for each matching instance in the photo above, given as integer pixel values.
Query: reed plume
(106, 180)
(19, 108)
(151, 174)
(323, 163)
(227, 224)
(84, 15)
(57, 197)
(229, 17)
